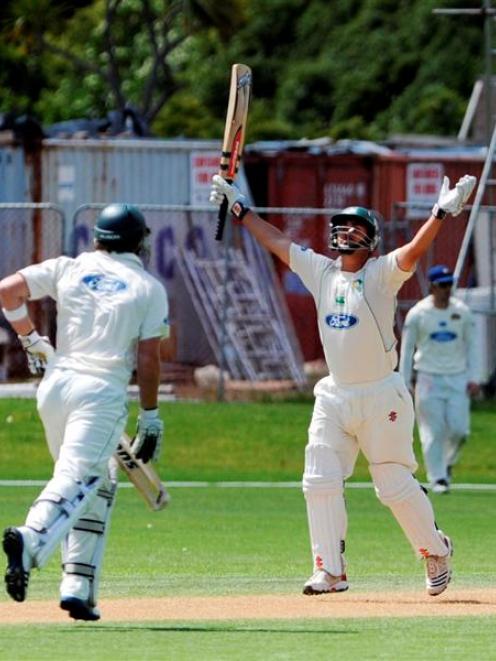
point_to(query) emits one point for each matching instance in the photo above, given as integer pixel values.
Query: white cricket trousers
(84, 416)
(443, 416)
(376, 418)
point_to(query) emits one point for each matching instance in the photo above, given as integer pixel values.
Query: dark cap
(440, 273)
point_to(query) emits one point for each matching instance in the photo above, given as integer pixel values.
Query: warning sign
(423, 182)
(204, 164)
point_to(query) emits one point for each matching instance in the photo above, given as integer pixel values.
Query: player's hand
(473, 389)
(38, 350)
(237, 202)
(147, 443)
(453, 200)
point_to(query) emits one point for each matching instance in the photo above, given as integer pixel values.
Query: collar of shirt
(128, 258)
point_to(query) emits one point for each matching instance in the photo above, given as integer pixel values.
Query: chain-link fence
(195, 269)
(30, 233)
(36, 232)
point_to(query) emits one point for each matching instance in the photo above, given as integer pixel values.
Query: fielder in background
(438, 336)
(363, 404)
(111, 316)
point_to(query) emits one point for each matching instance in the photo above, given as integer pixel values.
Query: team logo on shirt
(341, 321)
(357, 284)
(443, 336)
(455, 316)
(103, 283)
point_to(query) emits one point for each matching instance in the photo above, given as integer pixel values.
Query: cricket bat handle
(221, 218)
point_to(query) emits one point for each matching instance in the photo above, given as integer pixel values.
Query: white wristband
(148, 414)
(16, 315)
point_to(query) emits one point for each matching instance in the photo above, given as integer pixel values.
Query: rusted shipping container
(401, 186)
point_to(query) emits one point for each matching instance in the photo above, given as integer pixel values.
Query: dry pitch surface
(452, 603)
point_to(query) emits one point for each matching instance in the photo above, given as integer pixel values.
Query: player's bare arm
(147, 443)
(450, 202)
(268, 235)
(14, 293)
(148, 371)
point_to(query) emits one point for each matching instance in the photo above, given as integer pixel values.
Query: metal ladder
(256, 344)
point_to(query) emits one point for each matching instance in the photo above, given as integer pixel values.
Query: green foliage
(350, 68)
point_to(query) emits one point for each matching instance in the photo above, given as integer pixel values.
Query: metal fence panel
(30, 233)
(178, 227)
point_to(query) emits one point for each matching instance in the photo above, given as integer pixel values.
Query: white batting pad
(396, 487)
(326, 510)
(83, 547)
(52, 515)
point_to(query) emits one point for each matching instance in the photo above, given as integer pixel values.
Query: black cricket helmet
(121, 228)
(340, 237)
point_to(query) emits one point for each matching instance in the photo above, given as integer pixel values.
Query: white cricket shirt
(106, 303)
(444, 339)
(355, 312)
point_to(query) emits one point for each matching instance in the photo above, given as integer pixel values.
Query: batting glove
(38, 350)
(236, 201)
(453, 200)
(147, 443)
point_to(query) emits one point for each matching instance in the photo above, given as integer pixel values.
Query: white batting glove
(453, 200)
(237, 203)
(38, 350)
(147, 443)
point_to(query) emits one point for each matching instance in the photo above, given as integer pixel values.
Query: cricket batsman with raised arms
(363, 404)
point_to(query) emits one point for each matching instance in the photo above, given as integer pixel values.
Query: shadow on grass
(205, 629)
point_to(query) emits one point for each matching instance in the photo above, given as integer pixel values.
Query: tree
(109, 54)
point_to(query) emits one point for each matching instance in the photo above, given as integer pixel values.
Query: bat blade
(144, 476)
(234, 132)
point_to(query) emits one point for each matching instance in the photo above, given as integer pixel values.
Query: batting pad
(396, 487)
(84, 546)
(52, 515)
(326, 510)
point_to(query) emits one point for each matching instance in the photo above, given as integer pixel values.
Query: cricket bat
(234, 132)
(144, 476)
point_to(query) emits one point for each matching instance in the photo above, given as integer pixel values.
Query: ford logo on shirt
(341, 320)
(103, 283)
(443, 336)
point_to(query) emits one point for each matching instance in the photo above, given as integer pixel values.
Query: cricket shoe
(321, 582)
(18, 564)
(79, 609)
(441, 486)
(438, 569)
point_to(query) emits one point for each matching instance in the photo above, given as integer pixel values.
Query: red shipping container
(335, 181)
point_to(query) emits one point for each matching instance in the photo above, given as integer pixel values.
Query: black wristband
(439, 213)
(239, 210)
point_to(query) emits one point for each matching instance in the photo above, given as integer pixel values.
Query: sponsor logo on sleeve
(341, 321)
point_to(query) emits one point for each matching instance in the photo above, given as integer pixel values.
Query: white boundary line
(248, 485)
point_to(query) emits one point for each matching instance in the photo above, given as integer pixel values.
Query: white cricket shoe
(322, 582)
(438, 569)
(441, 486)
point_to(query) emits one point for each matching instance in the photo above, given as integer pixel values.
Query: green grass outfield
(226, 541)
